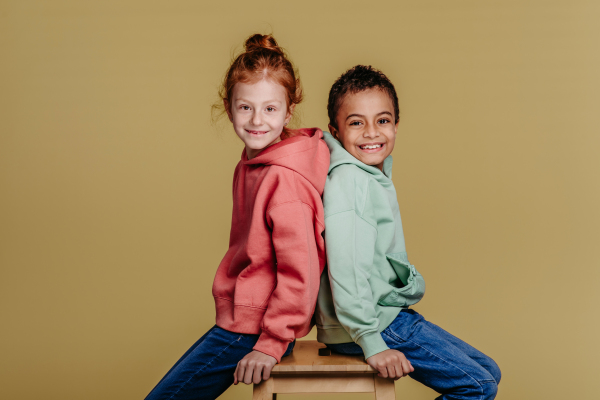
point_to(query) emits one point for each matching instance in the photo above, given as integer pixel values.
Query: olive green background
(115, 187)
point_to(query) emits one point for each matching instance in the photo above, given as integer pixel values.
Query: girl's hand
(390, 364)
(254, 367)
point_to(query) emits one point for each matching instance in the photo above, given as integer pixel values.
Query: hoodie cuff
(271, 345)
(372, 343)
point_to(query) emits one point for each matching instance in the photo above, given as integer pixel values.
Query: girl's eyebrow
(362, 116)
(264, 102)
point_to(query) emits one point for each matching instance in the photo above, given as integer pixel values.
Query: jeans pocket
(390, 337)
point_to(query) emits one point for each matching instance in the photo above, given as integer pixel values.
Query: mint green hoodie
(368, 270)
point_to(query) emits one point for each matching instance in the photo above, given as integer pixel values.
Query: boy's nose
(371, 132)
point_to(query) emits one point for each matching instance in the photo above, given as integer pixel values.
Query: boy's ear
(227, 109)
(333, 131)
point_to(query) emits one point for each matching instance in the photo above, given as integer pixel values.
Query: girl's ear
(289, 113)
(227, 109)
(333, 131)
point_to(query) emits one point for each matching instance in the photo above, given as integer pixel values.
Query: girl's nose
(256, 119)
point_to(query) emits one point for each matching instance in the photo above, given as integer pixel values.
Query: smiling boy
(364, 299)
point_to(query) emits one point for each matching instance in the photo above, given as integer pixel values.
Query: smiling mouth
(257, 133)
(376, 146)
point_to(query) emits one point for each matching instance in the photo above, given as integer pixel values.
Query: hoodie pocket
(414, 284)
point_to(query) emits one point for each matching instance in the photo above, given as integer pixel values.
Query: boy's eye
(383, 121)
(356, 123)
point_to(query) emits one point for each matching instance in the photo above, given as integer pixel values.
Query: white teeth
(371, 147)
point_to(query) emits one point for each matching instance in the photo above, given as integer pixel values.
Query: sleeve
(350, 249)
(292, 303)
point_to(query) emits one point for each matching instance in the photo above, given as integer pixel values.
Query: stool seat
(305, 371)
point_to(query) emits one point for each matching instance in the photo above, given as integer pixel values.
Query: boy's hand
(390, 364)
(253, 367)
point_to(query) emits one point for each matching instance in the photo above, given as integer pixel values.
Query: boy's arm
(350, 243)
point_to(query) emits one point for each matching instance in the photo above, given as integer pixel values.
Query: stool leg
(264, 390)
(384, 388)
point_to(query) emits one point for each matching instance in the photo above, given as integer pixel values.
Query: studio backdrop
(115, 182)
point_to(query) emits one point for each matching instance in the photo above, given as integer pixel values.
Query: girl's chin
(259, 145)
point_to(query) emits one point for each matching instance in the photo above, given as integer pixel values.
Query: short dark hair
(358, 79)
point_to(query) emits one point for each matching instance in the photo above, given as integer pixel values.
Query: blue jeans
(206, 369)
(441, 361)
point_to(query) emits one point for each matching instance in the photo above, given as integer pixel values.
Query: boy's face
(366, 126)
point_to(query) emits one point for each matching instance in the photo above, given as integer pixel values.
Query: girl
(266, 286)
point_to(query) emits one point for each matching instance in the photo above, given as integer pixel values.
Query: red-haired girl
(266, 286)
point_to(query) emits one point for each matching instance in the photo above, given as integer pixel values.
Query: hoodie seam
(238, 304)
(365, 197)
(370, 224)
(357, 214)
(296, 201)
(274, 336)
(369, 332)
(282, 204)
(339, 212)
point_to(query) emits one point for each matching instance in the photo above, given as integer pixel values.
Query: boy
(364, 298)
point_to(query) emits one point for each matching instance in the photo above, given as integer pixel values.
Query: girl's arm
(296, 234)
(292, 303)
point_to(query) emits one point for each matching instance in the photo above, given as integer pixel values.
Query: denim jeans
(206, 369)
(441, 361)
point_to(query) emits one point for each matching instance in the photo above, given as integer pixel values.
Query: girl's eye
(270, 109)
(383, 121)
(245, 108)
(355, 123)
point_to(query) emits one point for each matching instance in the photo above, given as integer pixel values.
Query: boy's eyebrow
(362, 116)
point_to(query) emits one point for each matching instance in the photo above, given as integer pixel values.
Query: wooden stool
(304, 371)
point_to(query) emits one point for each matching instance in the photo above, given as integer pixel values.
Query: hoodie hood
(340, 156)
(305, 154)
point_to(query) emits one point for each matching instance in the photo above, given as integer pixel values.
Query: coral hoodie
(268, 281)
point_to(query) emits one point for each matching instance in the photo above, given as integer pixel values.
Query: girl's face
(258, 112)
(366, 126)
